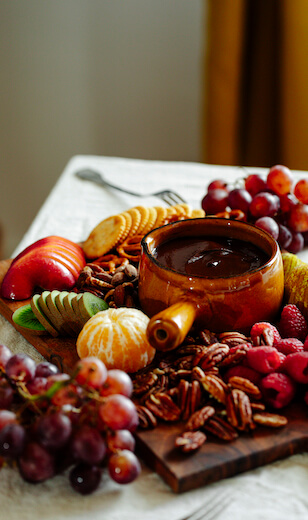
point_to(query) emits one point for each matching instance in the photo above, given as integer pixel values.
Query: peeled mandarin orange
(118, 338)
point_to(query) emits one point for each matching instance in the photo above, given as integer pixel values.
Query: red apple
(50, 263)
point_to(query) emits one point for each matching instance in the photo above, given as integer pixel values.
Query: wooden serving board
(215, 460)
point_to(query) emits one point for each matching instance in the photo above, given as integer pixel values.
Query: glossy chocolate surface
(210, 257)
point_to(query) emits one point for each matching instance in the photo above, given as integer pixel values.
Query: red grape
(5, 354)
(280, 179)
(219, 184)
(12, 440)
(20, 367)
(255, 183)
(45, 369)
(269, 225)
(297, 243)
(54, 430)
(287, 202)
(37, 386)
(88, 446)
(36, 464)
(239, 199)
(124, 467)
(117, 412)
(117, 382)
(285, 236)
(298, 218)
(120, 440)
(7, 417)
(215, 201)
(91, 371)
(264, 204)
(301, 191)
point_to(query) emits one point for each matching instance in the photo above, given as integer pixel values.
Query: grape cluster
(273, 202)
(51, 421)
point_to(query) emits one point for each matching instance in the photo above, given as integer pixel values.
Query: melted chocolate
(210, 257)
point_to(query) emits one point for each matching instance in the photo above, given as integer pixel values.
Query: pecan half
(146, 418)
(220, 428)
(246, 385)
(239, 410)
(211, 356)
(190, 441)
(270, 419)
(215, 386)
(232, 338)
(163, 407)
(198, 418)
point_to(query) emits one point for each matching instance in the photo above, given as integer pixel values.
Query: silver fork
(211, 509)
(168, 196)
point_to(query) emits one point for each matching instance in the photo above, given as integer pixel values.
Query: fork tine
(170, 197)
(216, 506)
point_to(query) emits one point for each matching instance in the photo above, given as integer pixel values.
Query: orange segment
(118, 338)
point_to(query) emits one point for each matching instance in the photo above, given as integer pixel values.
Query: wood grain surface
(216, 460)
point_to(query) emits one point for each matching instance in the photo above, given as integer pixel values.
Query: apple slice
(51, 263)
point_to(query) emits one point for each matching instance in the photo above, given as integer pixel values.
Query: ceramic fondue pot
(212, 272)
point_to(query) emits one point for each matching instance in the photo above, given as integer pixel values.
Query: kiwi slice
(90, 304)
(70, 326)
(58, 319)
(24, 317)
(70, 313)
(75, 306)
(41, 316)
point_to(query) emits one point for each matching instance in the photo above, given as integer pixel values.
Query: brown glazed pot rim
(170, 231)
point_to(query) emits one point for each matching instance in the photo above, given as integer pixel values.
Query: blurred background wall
(106, 77)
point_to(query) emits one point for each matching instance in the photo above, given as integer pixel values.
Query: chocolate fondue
(210, 257)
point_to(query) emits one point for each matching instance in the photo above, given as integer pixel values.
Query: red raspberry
(264, 333)
(263, 359)
(296, 366)
(306, 343)
(243, 371)
(277, 389)
(289, 345)
(292, 323)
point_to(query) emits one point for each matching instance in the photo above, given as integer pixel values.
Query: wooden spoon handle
(167, 329)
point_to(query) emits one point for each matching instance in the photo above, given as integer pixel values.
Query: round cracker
(126, 232)
(145, 213)
(161, 216)
(136, 219)
(151, 220)
(104, 236)
(187, 209)
(197, 213)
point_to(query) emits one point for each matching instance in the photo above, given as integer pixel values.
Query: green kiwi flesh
(24, 317)
(58, 319)
(41, 316)
(89, 305)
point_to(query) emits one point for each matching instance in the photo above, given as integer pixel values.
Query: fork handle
(91, 175)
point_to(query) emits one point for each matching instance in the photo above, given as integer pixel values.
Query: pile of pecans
(188, 385)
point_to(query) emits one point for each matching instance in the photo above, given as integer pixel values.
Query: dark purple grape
(285, 237)
(88, 446)
(6, 394)
(5, 354)
(20, 367)
(239, 198)
(54, 430)
(297, 243)
(84, 478)
(215, 201)
(36, 464)
(124, 467)
(46, 369)
(268, 224)
(12, 440)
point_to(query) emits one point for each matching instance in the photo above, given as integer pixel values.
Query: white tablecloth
(274, 492)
